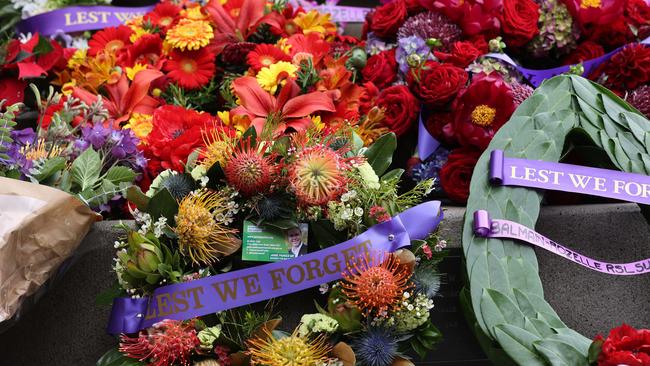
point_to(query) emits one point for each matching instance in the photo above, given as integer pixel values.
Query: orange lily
(124, 99)
(288, 110)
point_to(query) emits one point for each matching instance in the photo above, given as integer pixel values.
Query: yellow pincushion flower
(268, 76)
(141, 125)
(190, 34)
(201, 235)
(314, 21)
(292, 350)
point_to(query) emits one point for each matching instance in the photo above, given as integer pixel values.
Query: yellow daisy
(268, 76)
(132, 71)
(190, 34)
(141, 125)
(314, 21)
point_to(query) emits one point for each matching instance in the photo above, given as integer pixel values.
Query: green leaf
(380, 153)
(557, 353)
(119, 174)
(43, 46)
(51, 166)
(163, 204)
(393, 174)
(518, 344)
(139, 199)
(86, 168)
(594, 351)
(115, 358)
(252, 134)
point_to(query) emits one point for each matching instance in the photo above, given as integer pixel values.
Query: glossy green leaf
(380, 153)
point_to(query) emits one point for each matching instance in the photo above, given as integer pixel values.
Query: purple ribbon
(212, 294)
(536, 77)
(343, 14)
(79, 18)
(569, 178)
(486, 227)
(427, 144)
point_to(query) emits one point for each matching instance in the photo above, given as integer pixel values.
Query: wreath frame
(503, 297)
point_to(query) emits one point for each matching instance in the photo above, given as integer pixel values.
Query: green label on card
(265, 244)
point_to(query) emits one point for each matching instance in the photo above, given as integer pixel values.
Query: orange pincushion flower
(318, 175)
(248, 170)
(374, 284)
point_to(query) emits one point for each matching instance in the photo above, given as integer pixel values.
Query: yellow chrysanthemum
(314, 21)
(77, 58)
(268, 76)
(132, 71)
(190, 34)
(141, 125)
(201, 236)
(194, 13)
(293, 350)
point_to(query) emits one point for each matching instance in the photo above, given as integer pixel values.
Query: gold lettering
(104, 15)
(193, 291)
(251, 282)
(151, 311)
(290, 277)
(82, 17)
(179, 299)
(312, 266)
(277, 281)
(92, 17)
(164, 307)
(227, 289)
(68, 21)
(326, 262)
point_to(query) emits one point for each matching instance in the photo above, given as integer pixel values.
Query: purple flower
(24, 137)
(124, 143)
(407, 46)
(96, 135)
(81, 145)
(430, 168)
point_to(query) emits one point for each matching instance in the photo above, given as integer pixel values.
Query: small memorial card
(266, 244)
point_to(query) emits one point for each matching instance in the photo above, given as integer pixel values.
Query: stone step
(66, 327)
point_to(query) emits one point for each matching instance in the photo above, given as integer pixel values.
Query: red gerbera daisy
(164, 15)
(191, 69)
(145, 51)
(265, 55)
(112, 39)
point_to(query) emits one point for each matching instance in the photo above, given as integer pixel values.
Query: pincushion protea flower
(201, 235)
(375, 284)
(293, 350)
(318, 175)
(169, 342)
(248, 170)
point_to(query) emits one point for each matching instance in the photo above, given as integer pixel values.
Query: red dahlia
(112, 40)
(481, 109)
(628, 68)
(265, 55)
(191, 69)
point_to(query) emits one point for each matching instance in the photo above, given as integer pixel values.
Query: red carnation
(401, 108)
(176, 133)
(481, 109)
(381, 69)
(584, 52)
(437, 84)
(628, 68)
(456, 174)
(625, 346)
(461, 54)
(387, 19)
(519, 21)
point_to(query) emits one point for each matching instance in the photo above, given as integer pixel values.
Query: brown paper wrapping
(40, 227)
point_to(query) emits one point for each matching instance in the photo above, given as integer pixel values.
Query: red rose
(401, 108)
(368, 97)
(614, 34)
(473, 16)
(456, 174)
(438, 83)
(461, 54)
(584, 52)
(519, 21)
(625, 346)
(481, 109)
(381, 69)
(628, 68)
(387, 18)
(441, 126)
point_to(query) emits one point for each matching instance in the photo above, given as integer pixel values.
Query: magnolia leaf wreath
(504, 301)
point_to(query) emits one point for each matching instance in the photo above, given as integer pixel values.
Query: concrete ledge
(66, 327)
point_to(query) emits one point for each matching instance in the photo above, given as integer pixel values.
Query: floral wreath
(503, 299)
